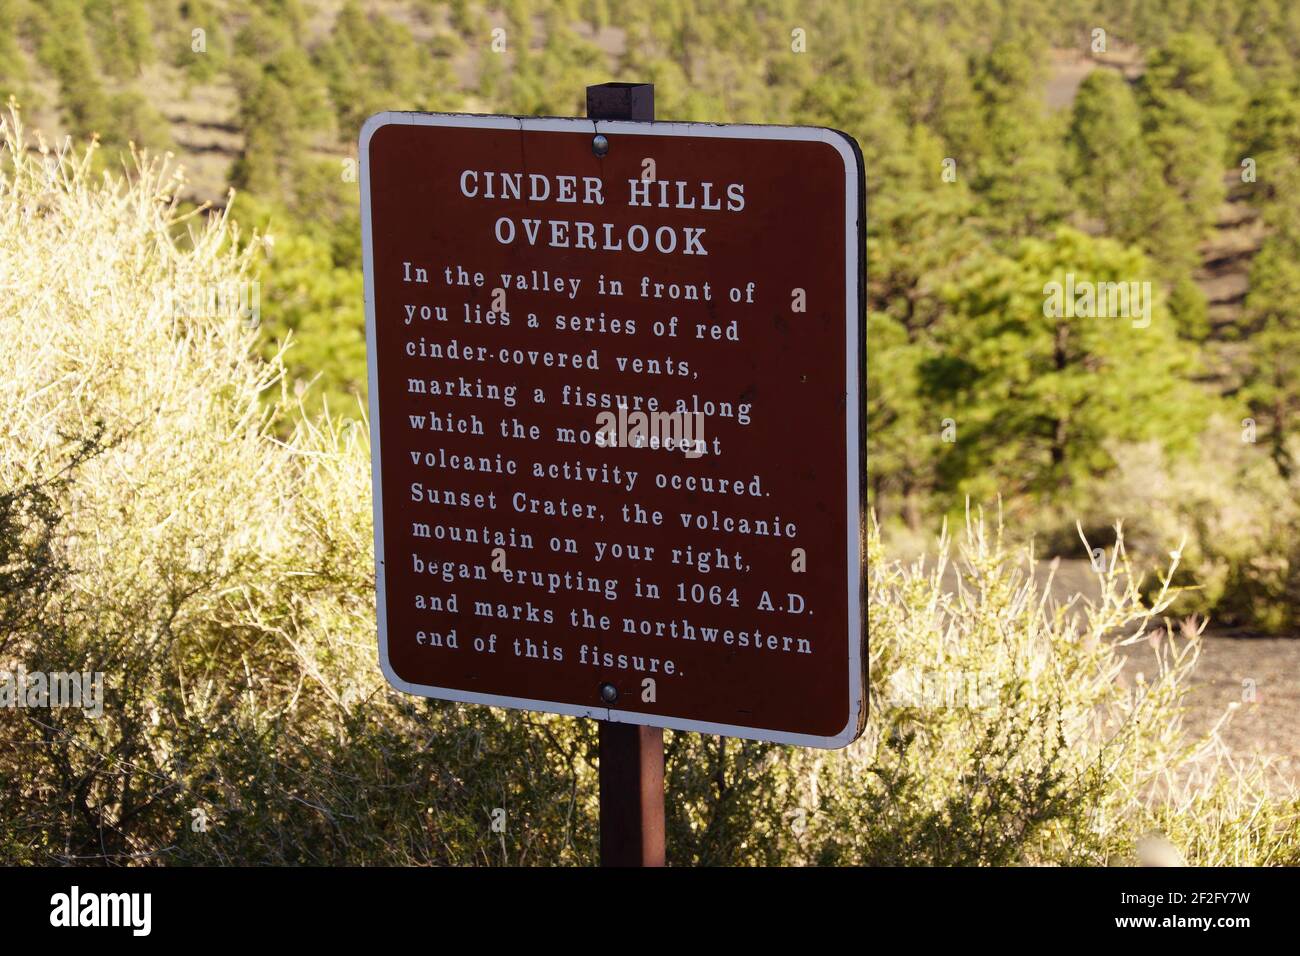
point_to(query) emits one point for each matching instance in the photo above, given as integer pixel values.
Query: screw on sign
(616, 401)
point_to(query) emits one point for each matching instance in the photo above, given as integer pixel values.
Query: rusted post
(631, 756)
(621, 101)
(631, 795)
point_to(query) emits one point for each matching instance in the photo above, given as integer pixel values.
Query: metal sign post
(615, 410)
(631, 756)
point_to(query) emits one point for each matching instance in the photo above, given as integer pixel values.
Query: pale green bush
(1046, 753)
(1240, 519)
(162, 530)
(168, 517)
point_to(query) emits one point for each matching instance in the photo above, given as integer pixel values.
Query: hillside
(1009, 144)
(186, 511)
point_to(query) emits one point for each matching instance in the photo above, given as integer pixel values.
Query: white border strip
(852, 349)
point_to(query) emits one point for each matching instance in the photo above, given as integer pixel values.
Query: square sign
(615, 410)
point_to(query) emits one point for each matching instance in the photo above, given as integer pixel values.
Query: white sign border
(853, 351)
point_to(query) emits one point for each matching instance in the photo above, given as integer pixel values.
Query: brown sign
(615, 393)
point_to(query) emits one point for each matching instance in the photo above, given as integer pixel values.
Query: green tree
(1114, 174)
(13, 67)
(275, 142)
(1038, 393)
(1019, 174)
(902, 430)
(1272, 310)
(1261, 30)
(200, 66)
(1269, 133)
(1189, 99)
(136, 120)
(123, 35)
(284, 110)
(65, 49)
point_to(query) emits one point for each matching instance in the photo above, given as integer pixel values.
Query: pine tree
(1189, 100)
(901, 438)
(66, 50)
(1019, 174)
(13, 68)
(1114, 175)
(1272, 311)
(1039, 394)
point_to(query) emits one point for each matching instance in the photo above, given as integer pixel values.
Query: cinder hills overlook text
(589, 191)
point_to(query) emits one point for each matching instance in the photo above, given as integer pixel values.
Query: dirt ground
(1262, 674)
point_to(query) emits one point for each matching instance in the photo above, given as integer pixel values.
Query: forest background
(1007, 144)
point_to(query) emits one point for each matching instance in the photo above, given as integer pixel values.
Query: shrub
(171, 518)
(219, 573)
(1004, 729)
(1239, 516)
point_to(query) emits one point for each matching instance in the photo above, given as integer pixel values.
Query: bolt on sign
(615, 408)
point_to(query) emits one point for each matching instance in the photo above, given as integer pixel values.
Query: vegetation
(200, 529)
